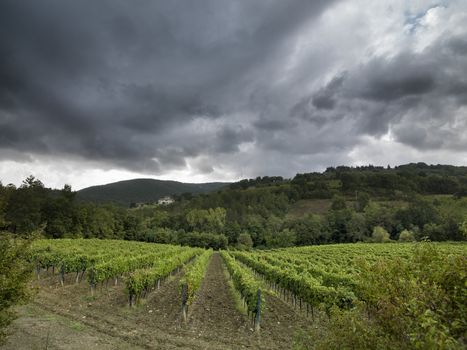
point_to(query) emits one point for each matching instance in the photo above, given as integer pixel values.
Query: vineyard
(203, 299)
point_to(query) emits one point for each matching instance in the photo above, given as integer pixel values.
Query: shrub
(15, 272)
(406, 236)
(380, 235)
(244, 241)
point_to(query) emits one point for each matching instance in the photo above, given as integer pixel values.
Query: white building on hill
(165, 200)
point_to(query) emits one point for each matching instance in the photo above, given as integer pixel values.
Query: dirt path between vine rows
(69, 317)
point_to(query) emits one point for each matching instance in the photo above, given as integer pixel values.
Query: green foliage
(210, 220)
(338, 203)
(244, 282)
(194, 275)
(414, 303)
(309, 229)
(203, 240)
(142, 280)
(407, 236)
(363, 199)
(24, 209)
(419, 212)
(380, 235)
(244, 241)
(275, 212)
(15, 272)
(281, 239)
(312, 285)
(463, 229)
(161, 235)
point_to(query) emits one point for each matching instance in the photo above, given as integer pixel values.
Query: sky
(96, 91)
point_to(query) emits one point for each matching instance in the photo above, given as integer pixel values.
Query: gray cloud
(418, 95)
(107, 80)
(154, 86)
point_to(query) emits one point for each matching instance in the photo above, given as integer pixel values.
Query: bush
(15, 272)
(204, 240)
(406, 236)
(380, 235)
(244, 241)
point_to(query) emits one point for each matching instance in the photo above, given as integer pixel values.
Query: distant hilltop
(138, 191)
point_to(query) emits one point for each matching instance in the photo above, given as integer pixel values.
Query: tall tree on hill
(24, 209)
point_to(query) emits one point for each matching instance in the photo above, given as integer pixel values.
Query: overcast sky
(95, 91)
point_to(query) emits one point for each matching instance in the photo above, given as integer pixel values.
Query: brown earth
(69, 317)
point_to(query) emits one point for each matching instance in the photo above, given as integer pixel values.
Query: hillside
(143, 190)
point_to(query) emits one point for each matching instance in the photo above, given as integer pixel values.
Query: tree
(463, 229)
(284, 238)
(419, 212)
(338, 224)
(161, 235)
(210, 220)
(379, 215)
(60, 214)
(310, 229)
(356, 228)
(24, 209)
(434, 232)
(204, 240)
(4, 194)
(363, 199)
(338, 203)
(244, 241)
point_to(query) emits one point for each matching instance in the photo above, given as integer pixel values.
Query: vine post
(258, 312)
(62, 274)
(184, 302)
(92, 282)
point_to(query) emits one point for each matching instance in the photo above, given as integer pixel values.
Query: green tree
(60, 214)
(363, 199)
(244, 241)
(207, 220)
(463, 229)
(161, 235)
(434, 232)
(24, 209)
(310, 229)
(338, 203)
(279, 239)
(379, 215)
(4, 195)
(356, 228)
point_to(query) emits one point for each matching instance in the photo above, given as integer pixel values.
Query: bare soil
(69, 317)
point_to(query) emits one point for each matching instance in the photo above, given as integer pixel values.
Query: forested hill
(143, 190)
(384, 182)
(341, 204)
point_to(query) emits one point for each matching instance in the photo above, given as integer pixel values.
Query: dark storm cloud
(109, 80)
(154, 86)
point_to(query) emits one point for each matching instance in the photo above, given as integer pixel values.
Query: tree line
(366, 204)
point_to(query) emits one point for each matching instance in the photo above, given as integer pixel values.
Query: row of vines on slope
(192, 279)
(247, 285)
